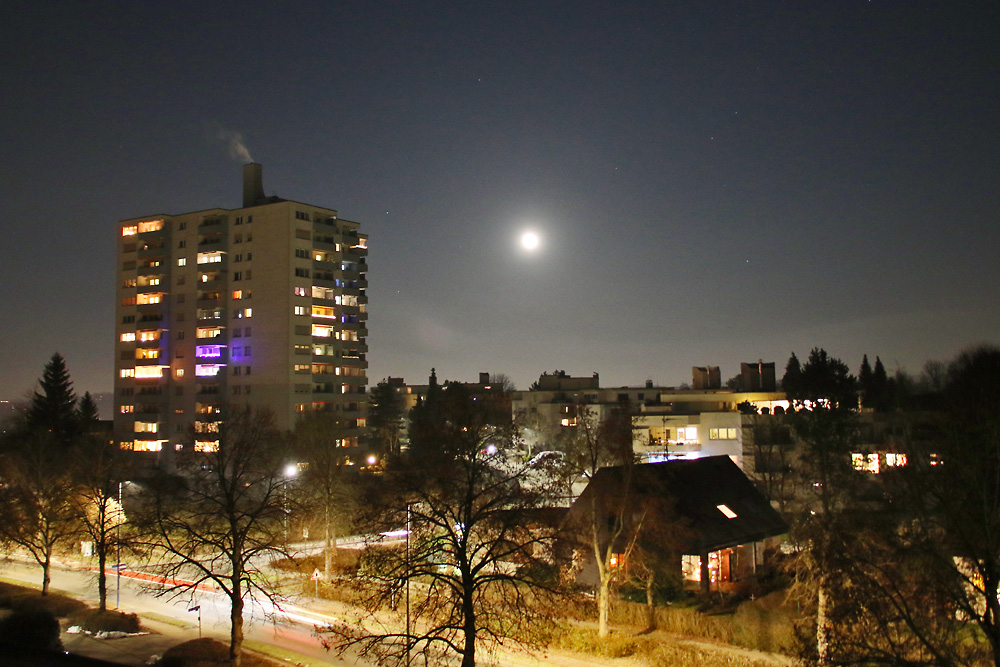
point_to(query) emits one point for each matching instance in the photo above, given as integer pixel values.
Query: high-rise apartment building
(261, 305)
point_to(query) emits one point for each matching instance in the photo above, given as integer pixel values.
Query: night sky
(711, 182)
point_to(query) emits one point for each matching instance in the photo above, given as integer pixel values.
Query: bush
(106, 621)
(208, 652)
(34, 629)
(21, 598)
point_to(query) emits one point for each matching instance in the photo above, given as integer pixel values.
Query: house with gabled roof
(705, 511)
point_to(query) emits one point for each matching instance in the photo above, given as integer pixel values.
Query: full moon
(529, 240)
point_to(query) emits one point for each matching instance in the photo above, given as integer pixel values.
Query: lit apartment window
(127, 373)
(208, 351)
(722, 434)
(142, 353)
(237, 294)
(148, 445)
(206, 427)
(301, 291)
(126, 409)
(323, 311)
(148, 299)
(149, 372)
(146, 427)
(207, 370)
(303, 368)
(128, 301)
(322, 330)
(322, 292)
(130, 230)
(208, 332)
(128, 337)
(129, 282)
(248, 312)
(182, 261)
(209, 257)
(300, 310)
(179, 373)
(207, 446)
(150, 226)
(149, 335)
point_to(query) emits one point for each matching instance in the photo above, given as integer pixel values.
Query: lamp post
(408, 640)
(290, 471)
(118, 550)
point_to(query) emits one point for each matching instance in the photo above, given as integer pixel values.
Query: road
(171, 617)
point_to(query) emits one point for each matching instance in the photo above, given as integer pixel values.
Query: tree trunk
(650, 605)
(102, 577)
(236, 625)
(603, 604)
(822, 624)
(469, 626)
(46, 579)
(706, 576)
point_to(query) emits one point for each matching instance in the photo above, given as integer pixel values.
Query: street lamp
(290, 472)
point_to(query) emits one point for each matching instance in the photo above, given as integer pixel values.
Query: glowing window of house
(208, 351)
(206, 446)
(299, 310)
(179, 373)
(150, 226)
(128, 337)
(148, 445)
(182, 261)
(142, 353)
(303, 368)
(146, 427)
(722, 433)
(350, 300)
(322, 331)
(866, 462)
(321, 292)
(362, 422)
(301, 291)
(362, 243)
(208, 332)
(209, 257)
(144, 299)
(126, 409)
(687, 433)
(148, 335)
(207, 370)
(729, 514)
(206, 427)
(149, 371)
(894, 460)
(323, 311)
(130, 230)
(237, 294)
(127, 373)
(569, 421)
(248, 312)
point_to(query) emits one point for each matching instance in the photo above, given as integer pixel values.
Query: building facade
(262, 305)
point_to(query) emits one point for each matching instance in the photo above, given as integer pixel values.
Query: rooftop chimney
(253, 184)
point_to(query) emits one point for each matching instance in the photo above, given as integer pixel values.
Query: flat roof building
(262, 305)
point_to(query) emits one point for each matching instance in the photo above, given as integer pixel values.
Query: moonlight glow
(530, 241)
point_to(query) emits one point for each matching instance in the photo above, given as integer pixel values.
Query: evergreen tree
(86, 412)
(792, 379)
(881, 388)
(385, 417)
(865, 382)
(54, 407)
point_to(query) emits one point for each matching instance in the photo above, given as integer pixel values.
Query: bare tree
(221, 522)
(327, 483)
(99, 470)
(475, 543)
(590, 444)
(37, 495)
